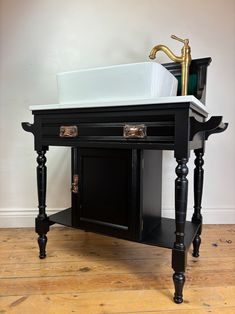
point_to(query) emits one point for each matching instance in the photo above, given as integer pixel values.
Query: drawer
(122, 131)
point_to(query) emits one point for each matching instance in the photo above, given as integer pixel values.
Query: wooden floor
(88, 273)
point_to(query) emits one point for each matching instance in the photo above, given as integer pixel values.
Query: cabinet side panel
(151, 189)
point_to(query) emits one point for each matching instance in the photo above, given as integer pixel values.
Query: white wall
(41, 38)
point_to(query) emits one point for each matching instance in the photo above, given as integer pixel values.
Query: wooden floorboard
(89, 273)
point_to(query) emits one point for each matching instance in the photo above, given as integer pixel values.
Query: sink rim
(109, 66)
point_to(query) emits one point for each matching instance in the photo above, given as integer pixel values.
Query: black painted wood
(106, 179)
(41, 183)
(179, 253)
(119, 191)
(179, 280)
(42, 241)
(181, 199)
(75, 197)
(107, 126)
(42, 222)
(213, 125)
(163, 234)
(198, 188)
(150, 191)
(63, 217)
(106, 161)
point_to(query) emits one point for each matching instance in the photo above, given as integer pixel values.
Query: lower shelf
(163, 235)
(63, 217)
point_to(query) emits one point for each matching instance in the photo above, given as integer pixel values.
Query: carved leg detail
(198, 187)
(179, 280)
(42, 223)
(179, 253)
(196, 245)
(42, 241)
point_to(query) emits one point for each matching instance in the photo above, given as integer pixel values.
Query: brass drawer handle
(134, 131)
(69, 131)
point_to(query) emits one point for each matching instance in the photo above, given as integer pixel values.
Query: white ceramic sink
(135, 81)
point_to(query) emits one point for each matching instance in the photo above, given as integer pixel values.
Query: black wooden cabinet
(109, 176)
(116, 172)
(119, 191)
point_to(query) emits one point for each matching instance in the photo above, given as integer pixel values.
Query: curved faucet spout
(184, 59)
(167, 51)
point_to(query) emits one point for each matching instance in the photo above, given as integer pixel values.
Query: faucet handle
(184, 41)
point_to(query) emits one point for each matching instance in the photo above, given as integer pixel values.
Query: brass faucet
(184, 59)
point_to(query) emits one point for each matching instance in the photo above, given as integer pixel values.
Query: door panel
(106, 193)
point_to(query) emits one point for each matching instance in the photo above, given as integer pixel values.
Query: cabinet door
(108, 195)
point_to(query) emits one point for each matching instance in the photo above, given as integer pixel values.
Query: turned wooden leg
(196, 244)
(179, 280)
(179, 253)
(42, 241)
(198, 187)
(41, 223)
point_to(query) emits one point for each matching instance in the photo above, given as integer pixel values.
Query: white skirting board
(25, 217)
